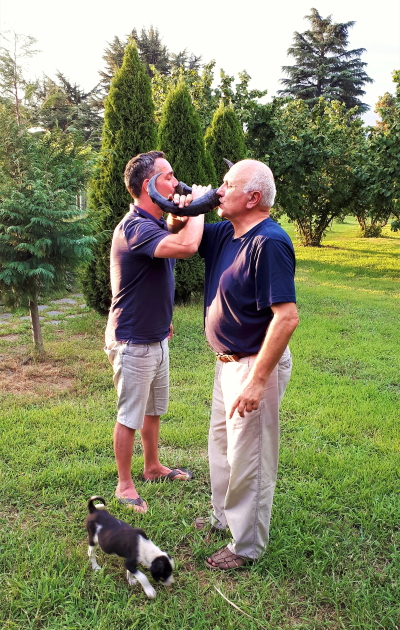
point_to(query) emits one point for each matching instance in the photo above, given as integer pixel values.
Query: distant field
(333, 559)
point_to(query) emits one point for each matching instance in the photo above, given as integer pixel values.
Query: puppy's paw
(150, 591)
(96, 567)
(131, 580)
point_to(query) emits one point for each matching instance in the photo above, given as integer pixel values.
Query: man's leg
(157, 404)
(152, 465)
(124, 438)
(134, 370)
(217, 453)
(252, 455)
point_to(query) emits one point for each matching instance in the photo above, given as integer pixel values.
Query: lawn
(333, 559)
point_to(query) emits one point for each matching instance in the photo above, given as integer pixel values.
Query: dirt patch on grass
(9, 337)
(21, 377)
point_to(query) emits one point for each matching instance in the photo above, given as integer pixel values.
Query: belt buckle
(225, 358)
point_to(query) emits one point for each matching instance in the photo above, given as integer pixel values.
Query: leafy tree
(245, 102)
(206, 99)
(185, 60)
(261, 128)
(153, 54)
(42, 231)
(384, 176)
(324, 67)
(14, 88)
(113, 57)
(151, 51)
(180, 137)
(224, 139)
(128, 129)
(65, 105)
(313, 155)
(198, 84)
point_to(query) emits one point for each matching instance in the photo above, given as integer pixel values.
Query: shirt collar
(146, 215)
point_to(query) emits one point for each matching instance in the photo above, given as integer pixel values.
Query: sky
(251, 35)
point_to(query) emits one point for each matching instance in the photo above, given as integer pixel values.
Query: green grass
(333, 559)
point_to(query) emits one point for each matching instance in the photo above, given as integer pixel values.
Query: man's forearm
(193, 230)
(184, 243)
(277, 338)
(279, 331)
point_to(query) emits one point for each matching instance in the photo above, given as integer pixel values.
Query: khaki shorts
(141, 378)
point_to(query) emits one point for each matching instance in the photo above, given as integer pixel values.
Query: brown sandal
(225, 559)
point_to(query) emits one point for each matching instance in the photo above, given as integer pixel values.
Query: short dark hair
(140, 168)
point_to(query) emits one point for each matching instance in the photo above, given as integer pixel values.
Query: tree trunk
(361, 221)
(35, 324)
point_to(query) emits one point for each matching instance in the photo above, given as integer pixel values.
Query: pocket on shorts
(137, 350)
(112, 351)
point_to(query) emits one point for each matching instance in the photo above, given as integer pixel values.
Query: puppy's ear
(160, 568)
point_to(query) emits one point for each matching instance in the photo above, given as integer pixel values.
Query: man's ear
(254, 199)
(145, 185)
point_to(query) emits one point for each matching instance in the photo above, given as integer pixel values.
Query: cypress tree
(224, 139)
(128, 129)
(180, 137)
(324, 67)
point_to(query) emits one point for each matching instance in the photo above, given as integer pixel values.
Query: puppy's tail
(92, 508)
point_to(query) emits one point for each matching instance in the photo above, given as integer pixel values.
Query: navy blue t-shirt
(244, 276)
(142, 286)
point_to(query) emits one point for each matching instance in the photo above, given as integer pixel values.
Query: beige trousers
(243, 455)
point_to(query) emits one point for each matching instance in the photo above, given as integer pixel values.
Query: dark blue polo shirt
(244, 276)
(142, 286)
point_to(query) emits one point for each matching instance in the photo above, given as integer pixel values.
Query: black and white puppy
(119, 538)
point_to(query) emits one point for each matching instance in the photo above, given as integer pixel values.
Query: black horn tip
(230, 164)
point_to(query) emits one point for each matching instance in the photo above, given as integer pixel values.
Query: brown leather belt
(228, 358)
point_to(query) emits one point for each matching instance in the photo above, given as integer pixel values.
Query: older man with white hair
(250, 315)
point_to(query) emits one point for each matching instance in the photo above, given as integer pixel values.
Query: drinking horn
(204, 204)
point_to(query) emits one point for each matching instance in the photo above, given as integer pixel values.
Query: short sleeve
(275, 267)
(143, 236)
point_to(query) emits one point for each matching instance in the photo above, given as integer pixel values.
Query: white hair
(263, 181)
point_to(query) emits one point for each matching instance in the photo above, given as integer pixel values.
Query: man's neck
(243, 224)
(145, 203)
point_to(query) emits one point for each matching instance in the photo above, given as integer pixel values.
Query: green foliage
(224, 139)
(113, 57)
(198, 84)
(154, 55)
(332, 561)
(44, 236)
(128, 129)
(206, 99)
(324, 67)
(180, 137)
(314, 155)
(65, 105)
(42, 231)
(151, 51)
(14, 88)
(384, 175)
(243, 100)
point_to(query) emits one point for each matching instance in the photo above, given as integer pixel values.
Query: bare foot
(150, 474)
(129, 493)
